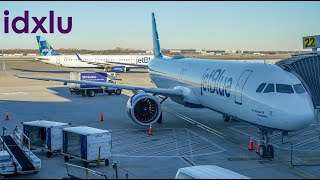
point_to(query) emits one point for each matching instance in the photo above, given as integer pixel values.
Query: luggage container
(45, 135)
(88, 144)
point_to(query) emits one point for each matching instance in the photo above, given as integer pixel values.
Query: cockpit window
(299, 88)
(269, 88)
(260, 88)
(284, 88)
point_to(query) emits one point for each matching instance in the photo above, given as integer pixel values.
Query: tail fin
(45, 48)
(156, 44)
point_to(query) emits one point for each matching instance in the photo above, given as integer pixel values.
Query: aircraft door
(240, 85)
(133, 61)
(96, 59)
(58, 60)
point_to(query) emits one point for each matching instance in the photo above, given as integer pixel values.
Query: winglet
(156, 44)
(79, 58)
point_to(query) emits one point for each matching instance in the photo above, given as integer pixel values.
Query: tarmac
(186, 136)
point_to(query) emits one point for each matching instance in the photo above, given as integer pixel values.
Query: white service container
(83, 142)
(45, 134)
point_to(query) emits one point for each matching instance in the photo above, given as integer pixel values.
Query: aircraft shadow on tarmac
(75, 111)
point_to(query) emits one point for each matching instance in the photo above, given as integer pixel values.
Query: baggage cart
(91, 145)
(45, 135)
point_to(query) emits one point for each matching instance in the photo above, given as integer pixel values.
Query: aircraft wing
(159, 91)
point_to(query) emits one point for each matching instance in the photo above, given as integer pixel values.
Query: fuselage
(73, 61)
(230, 87)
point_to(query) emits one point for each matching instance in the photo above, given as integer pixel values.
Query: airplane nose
(302, 118)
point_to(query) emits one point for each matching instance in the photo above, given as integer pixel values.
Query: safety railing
(19, 136)
(86, 172)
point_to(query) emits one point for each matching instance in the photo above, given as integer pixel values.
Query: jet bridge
(306, 67)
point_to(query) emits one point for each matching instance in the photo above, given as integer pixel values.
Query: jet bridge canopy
(307, 68)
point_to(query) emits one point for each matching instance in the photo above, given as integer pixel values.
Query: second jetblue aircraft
(261, 94)
(51, 56)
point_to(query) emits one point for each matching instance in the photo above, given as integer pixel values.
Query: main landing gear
(266, 149)
(226, 118)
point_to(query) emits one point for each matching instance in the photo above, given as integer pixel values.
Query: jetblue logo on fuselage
(143, 60)
(216, 82)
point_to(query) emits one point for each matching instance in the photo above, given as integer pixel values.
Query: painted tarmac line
(137, 138)
(147, 141)
(299, 171)
(297, 136)
(276, 144)
(12, 93)
(171, 149)
(162, 144)
(305, 142)
(208, 129)
(190, 163)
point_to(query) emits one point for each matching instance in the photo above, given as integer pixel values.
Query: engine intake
(143, 109)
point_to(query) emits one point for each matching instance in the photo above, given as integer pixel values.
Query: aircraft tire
(263, 150)
(270, 151)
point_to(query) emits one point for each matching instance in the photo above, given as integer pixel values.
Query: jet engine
(143, 109)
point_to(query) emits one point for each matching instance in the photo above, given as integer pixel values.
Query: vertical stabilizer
(45, 48)
(156, 44)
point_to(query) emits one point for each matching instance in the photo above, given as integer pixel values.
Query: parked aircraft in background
(261, 94)
(51, 56)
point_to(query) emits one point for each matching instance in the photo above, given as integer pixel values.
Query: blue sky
(209, 25)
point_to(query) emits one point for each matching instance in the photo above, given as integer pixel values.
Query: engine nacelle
(143, 109)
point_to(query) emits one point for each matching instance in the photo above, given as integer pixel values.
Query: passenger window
(299, 88)
(284, 88)
(269, 88)
(260, 88)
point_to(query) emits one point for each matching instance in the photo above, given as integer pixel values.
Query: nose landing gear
(266, 149)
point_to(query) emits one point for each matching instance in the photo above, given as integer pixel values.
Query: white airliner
(260, 94)
(50, 56)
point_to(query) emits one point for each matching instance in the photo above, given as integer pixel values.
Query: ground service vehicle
(91, 90)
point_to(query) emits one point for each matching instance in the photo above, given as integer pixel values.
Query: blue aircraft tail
(45, 48)
(156, 44)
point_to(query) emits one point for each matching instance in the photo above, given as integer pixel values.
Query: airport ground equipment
(116, 69)
(78, 172)
(90, 90)
(207, 172)
(21, 160)
(45, 135)
(88, 144)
